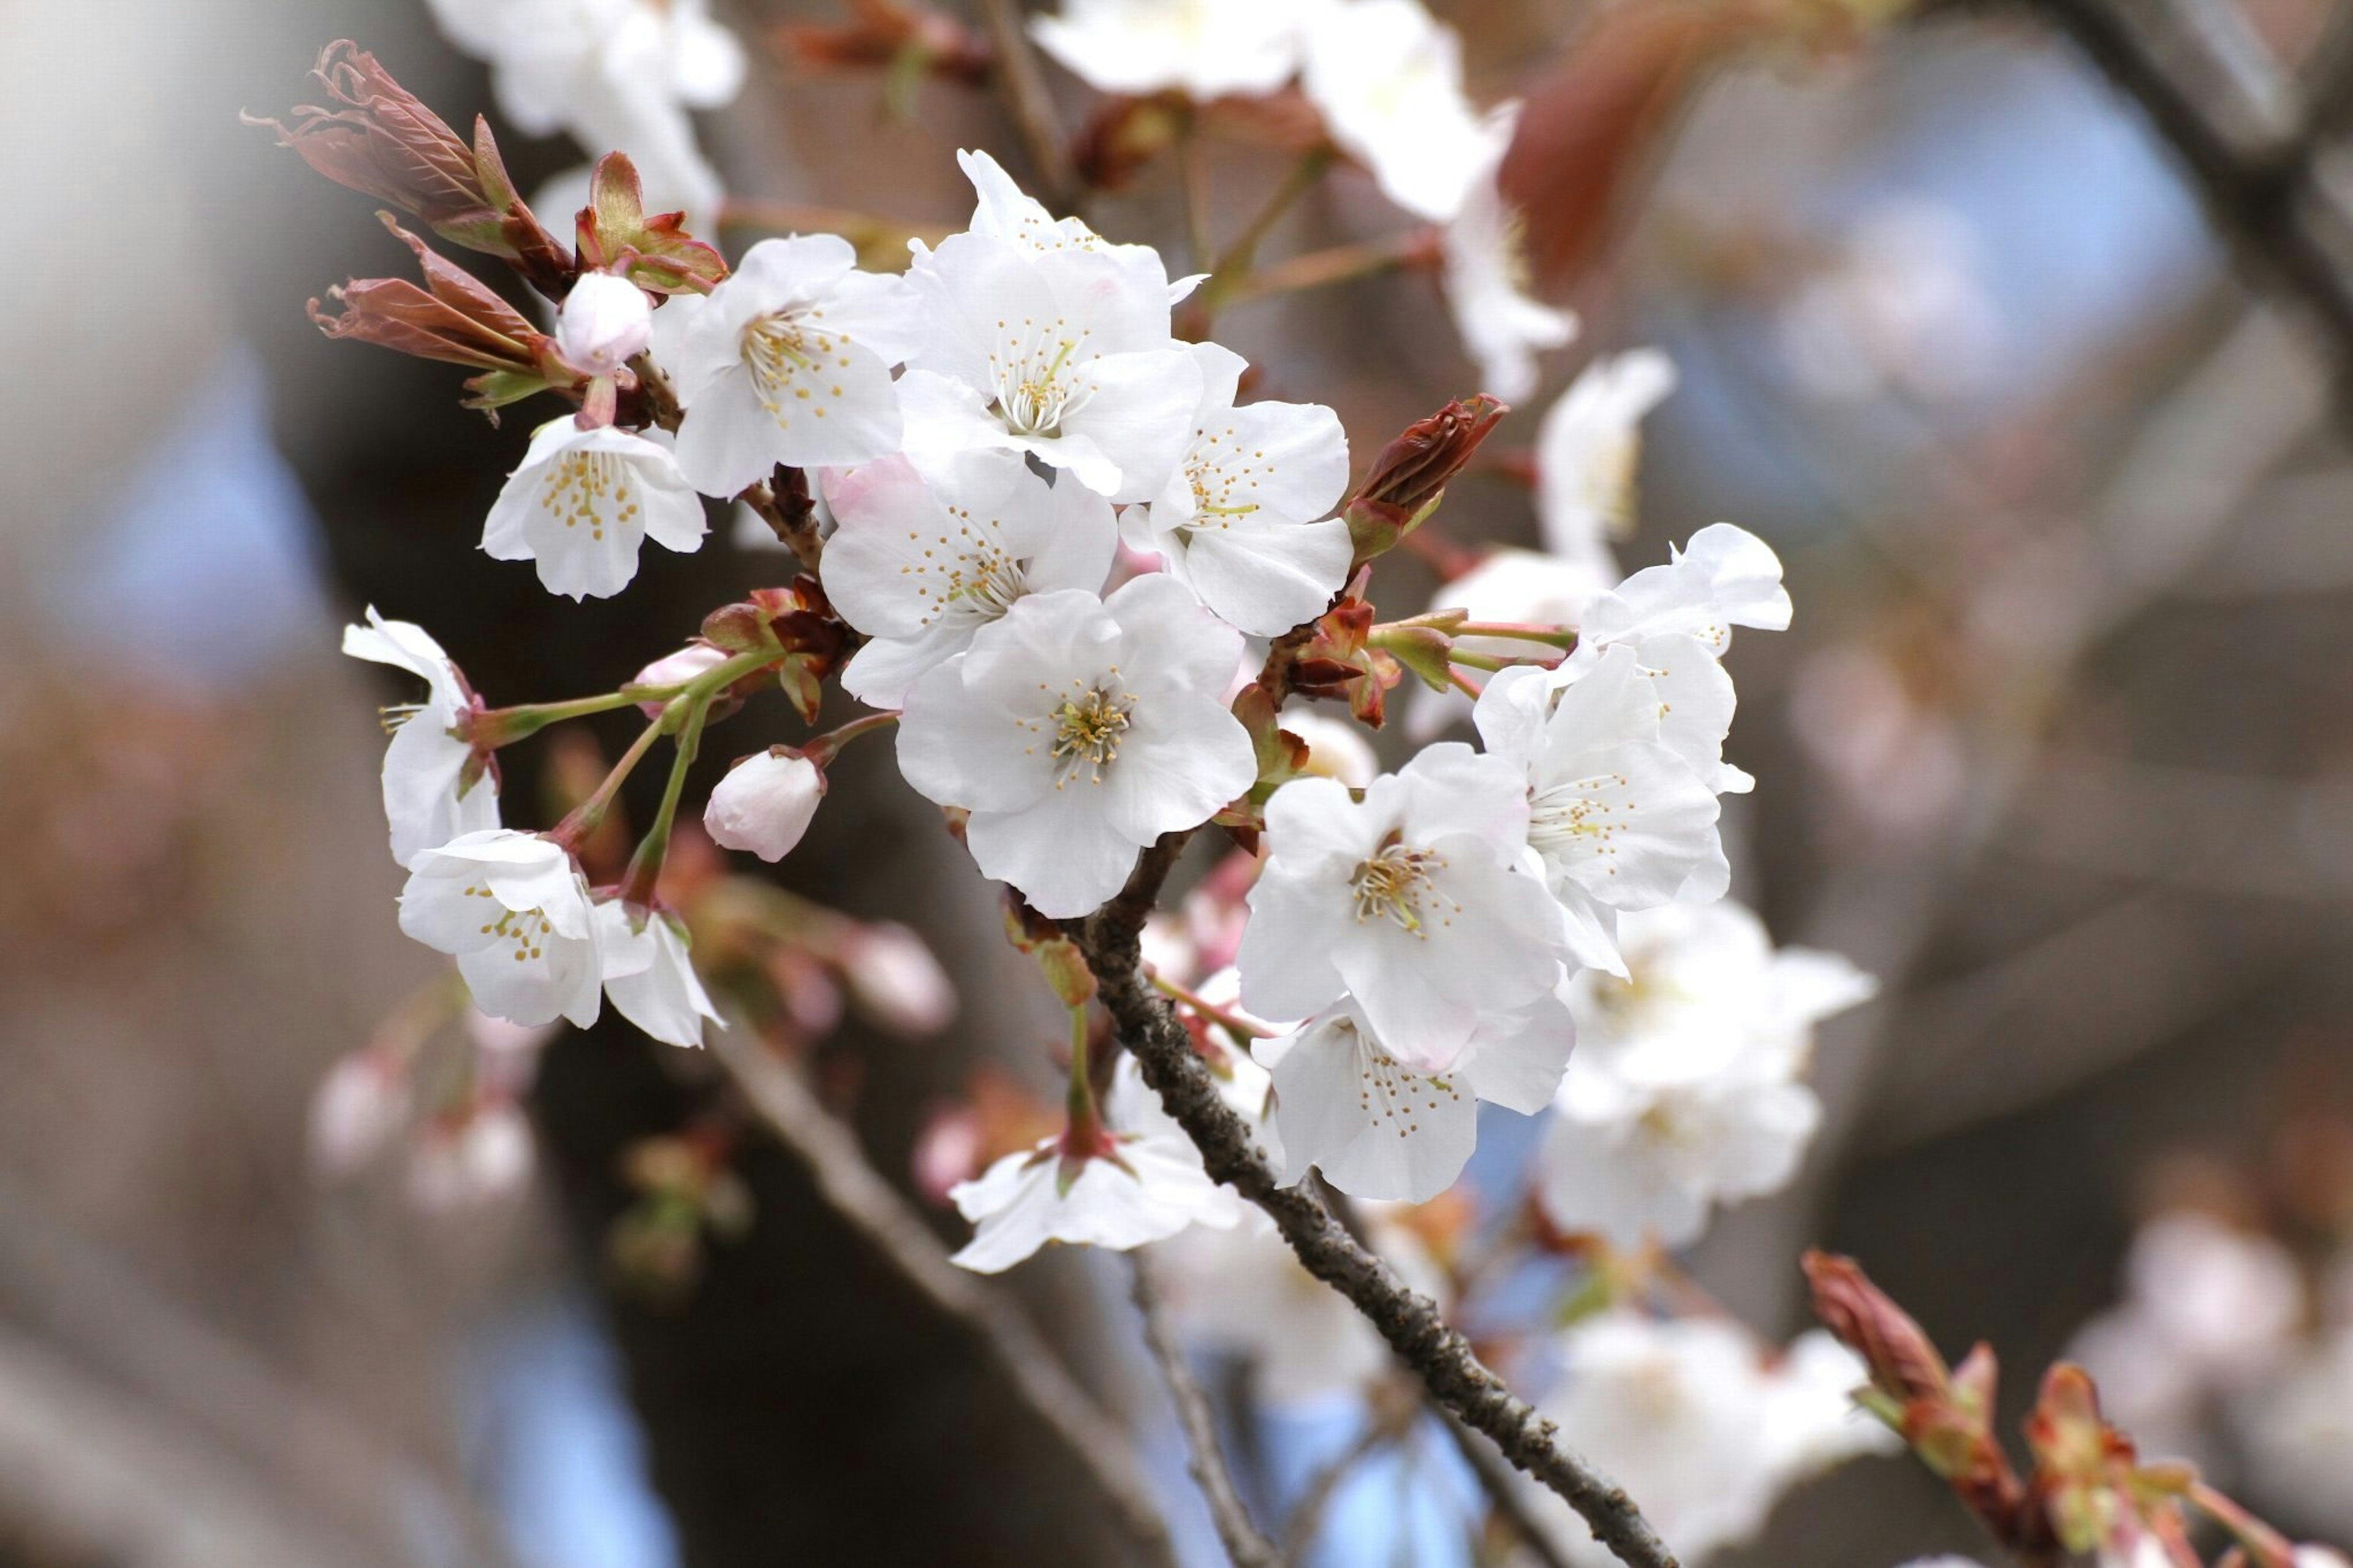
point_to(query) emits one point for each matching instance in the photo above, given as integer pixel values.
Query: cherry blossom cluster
(1105, 597)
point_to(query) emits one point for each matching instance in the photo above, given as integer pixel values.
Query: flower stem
(1562, 638)
(1490, 664)
(585, 817)
(1078, 1105)
(646, 865)
(1241, 1029)
(2267, 1547)
(1340, 264)
(822, 748)
(1233, 265)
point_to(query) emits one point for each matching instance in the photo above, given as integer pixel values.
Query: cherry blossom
(606, 321)
(921, 567)
(1076, 731)
(514, 911)
(764, 804)
(1336, 749)
(1725, 577)
(1203, 48)
(1486, 276)
(1244, 519)
(358, 1109)
(1387, 79)
(1377, 1127)
(1062, 354)
(611, 72)
(1618, 819)
(1676, 1409)
(433, 789)
(648, 976)
(1409, 899)
(787, 361)
(1586, 450)
(1004, 211)
(1149, 1187)
(477, 1158)
(584, 501)
(1685, 1093)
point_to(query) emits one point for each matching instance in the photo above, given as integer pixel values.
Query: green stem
(1562, 638)
(1242, 1029)
(590, 815)
(1490, 664)
(646, 865)
(1233, 265)
(1078, 1105)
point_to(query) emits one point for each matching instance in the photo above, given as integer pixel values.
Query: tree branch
(1028, 99)
(1098, 1447)
(1495, 1478)
(2212, 90)
(1432, 1350)
(1244, 1542)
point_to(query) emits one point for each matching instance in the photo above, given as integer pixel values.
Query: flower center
(523, 928)
(786, 354)
(1388, 1091)
(1087, 730)
(1391, 882)
(989, 580)
(1214, 467)
(591, 488)
(1571, 815)
(1037, 377)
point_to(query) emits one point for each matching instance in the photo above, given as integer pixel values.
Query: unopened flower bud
(1904, 1364)
(896, 981)
(605, 323)
(764, 803)
(358, 1108)
(1411, 471)
(676, 669)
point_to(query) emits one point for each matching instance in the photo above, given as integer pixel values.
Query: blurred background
(2060, 748)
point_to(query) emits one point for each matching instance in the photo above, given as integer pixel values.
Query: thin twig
(1431, 1348)
(1495, 1478)
(1028, 99)
(1245, 1543)
(855, 1193)
(2229, 114)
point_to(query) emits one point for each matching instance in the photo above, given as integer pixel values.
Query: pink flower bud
(359, 1107)
(676, 669)
(896, 981)
(764, 803)
(605, 323)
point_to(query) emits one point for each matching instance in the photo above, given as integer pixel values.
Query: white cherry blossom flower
(1725, 577)
(1387, 79)
(922, 565)
(428, 798)
(787, 361)
(1587, 450)
(1618, 819)
(1686, 1091)
(1379, 1128)
(1076, 731)
(601, 70)
(1409, 899)
(1063, 355)
(648, 976)
(1244, 519)
(606, 321)
(1486, 276)
(481, 1158)
(1203, 48)
(764, 804)
(1006, 212)
(584, 501)
(514, 911)
(1149, 1188)
(1812, 1424)
(1673, 1410)
(358, 1109)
